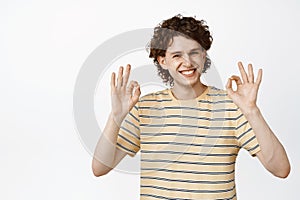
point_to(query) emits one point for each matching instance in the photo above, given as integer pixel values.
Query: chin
(190, 84)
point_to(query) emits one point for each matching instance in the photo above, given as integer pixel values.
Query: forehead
(180, 43)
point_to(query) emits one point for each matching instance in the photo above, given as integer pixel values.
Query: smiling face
(184, 60)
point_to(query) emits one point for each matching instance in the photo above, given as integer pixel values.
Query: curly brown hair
(188, 27)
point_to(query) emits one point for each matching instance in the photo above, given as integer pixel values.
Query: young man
(190, 134)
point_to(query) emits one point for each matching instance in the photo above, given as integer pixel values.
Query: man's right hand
(123, 97)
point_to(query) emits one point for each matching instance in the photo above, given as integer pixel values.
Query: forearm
(273, 155)
(104, 154)
(123, 98)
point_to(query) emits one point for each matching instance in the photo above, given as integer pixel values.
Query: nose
(186, 60)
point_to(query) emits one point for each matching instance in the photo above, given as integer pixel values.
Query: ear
(204, 54)
(162, 61)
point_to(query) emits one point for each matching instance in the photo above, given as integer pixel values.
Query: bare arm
(272, 154)
(106, 155)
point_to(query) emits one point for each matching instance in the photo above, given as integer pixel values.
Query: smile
(188, 73)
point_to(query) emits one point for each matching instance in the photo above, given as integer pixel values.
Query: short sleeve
(245, 135)
(129, 135)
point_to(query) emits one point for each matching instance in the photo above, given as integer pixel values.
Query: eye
(194, 53)
(176, 56)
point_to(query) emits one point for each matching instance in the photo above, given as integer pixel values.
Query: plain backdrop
(43, 45)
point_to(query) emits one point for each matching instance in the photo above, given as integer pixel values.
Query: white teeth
(187, 72)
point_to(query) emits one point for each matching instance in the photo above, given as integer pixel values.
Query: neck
(188, 92)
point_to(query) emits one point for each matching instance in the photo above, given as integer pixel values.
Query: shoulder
(161, 95)
(219, 96)
(214, 92)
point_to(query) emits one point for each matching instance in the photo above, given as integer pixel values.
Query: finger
(259, 77)
(130, 87)
(137, 94)
(126, 76)
(250, 73)
(120, 77)
(237, 79)
(113, 81)
(229, 86)
(243, 72)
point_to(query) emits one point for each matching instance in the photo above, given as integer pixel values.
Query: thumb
(229, 87)
(136, 94)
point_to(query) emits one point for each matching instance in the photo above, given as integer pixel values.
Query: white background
(43, 45)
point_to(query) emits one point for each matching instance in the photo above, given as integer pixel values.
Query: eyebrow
(177, 52)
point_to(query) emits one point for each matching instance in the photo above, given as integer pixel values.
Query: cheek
(173, 63)
(199, 61)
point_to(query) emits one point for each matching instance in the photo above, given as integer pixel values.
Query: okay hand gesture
(245, 95)
(123, 96)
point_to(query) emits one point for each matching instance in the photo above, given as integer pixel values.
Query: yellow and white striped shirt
(188, 147)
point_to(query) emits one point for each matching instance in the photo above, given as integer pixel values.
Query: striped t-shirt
(188, 147)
